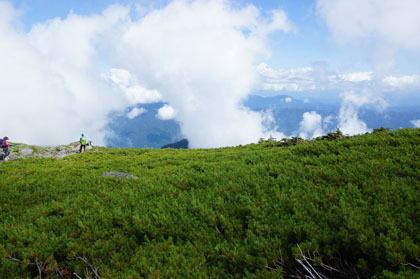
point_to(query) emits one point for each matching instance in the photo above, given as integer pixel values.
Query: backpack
(3, 143)
(83, 141)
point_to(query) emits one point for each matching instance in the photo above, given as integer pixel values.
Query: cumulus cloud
(166, 113)
(288, 100)
(50, 84)
(134, 93)
(311, 125)
(416, 123)
(135, 112)
(349, 121)
(198, 56)
(348, 118)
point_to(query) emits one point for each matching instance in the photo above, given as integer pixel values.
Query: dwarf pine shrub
(339, 208)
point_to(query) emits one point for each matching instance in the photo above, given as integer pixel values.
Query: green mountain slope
(255, 211)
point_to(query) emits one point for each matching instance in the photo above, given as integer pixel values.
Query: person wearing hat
(83, 142)
(5, 146)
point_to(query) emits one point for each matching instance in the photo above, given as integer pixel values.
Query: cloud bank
(50, 86)
(310, 79)
(203, 63)
(65, 76)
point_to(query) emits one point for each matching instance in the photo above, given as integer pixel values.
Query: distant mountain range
(147, 131)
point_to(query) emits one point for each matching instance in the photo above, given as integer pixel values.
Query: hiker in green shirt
(83, 142)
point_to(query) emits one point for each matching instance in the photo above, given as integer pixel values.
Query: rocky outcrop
(20, 150)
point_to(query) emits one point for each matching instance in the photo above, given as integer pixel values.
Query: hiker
(83, 142)
(5, 146)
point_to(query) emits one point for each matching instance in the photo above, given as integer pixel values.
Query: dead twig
(40, 265)
(308, 266)
(92, 267)
(413, 265)
(9, 257)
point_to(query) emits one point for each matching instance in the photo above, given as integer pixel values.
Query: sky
(65, 66)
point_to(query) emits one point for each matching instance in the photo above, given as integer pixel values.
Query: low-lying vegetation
(344, 208)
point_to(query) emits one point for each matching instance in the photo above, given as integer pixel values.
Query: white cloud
(120, 77)
(199, 56)
(134, 93)
(135, 112)
(356, 77)
(166, 113)
(291, 79)
(196, 55)
(308, 79)
(394, 23)
(279, 21)
(352, 101)
(349, 121)
(379, 28)
(311, 125)
(416, 123)
(403, 81)
(49, 78)
(288, 100)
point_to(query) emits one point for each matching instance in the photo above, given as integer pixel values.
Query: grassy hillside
(342, 208)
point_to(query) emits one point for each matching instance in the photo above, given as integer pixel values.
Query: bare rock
(26, 151)
(61, 148)
(12, 157)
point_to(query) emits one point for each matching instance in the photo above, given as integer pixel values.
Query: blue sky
(82, 60)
